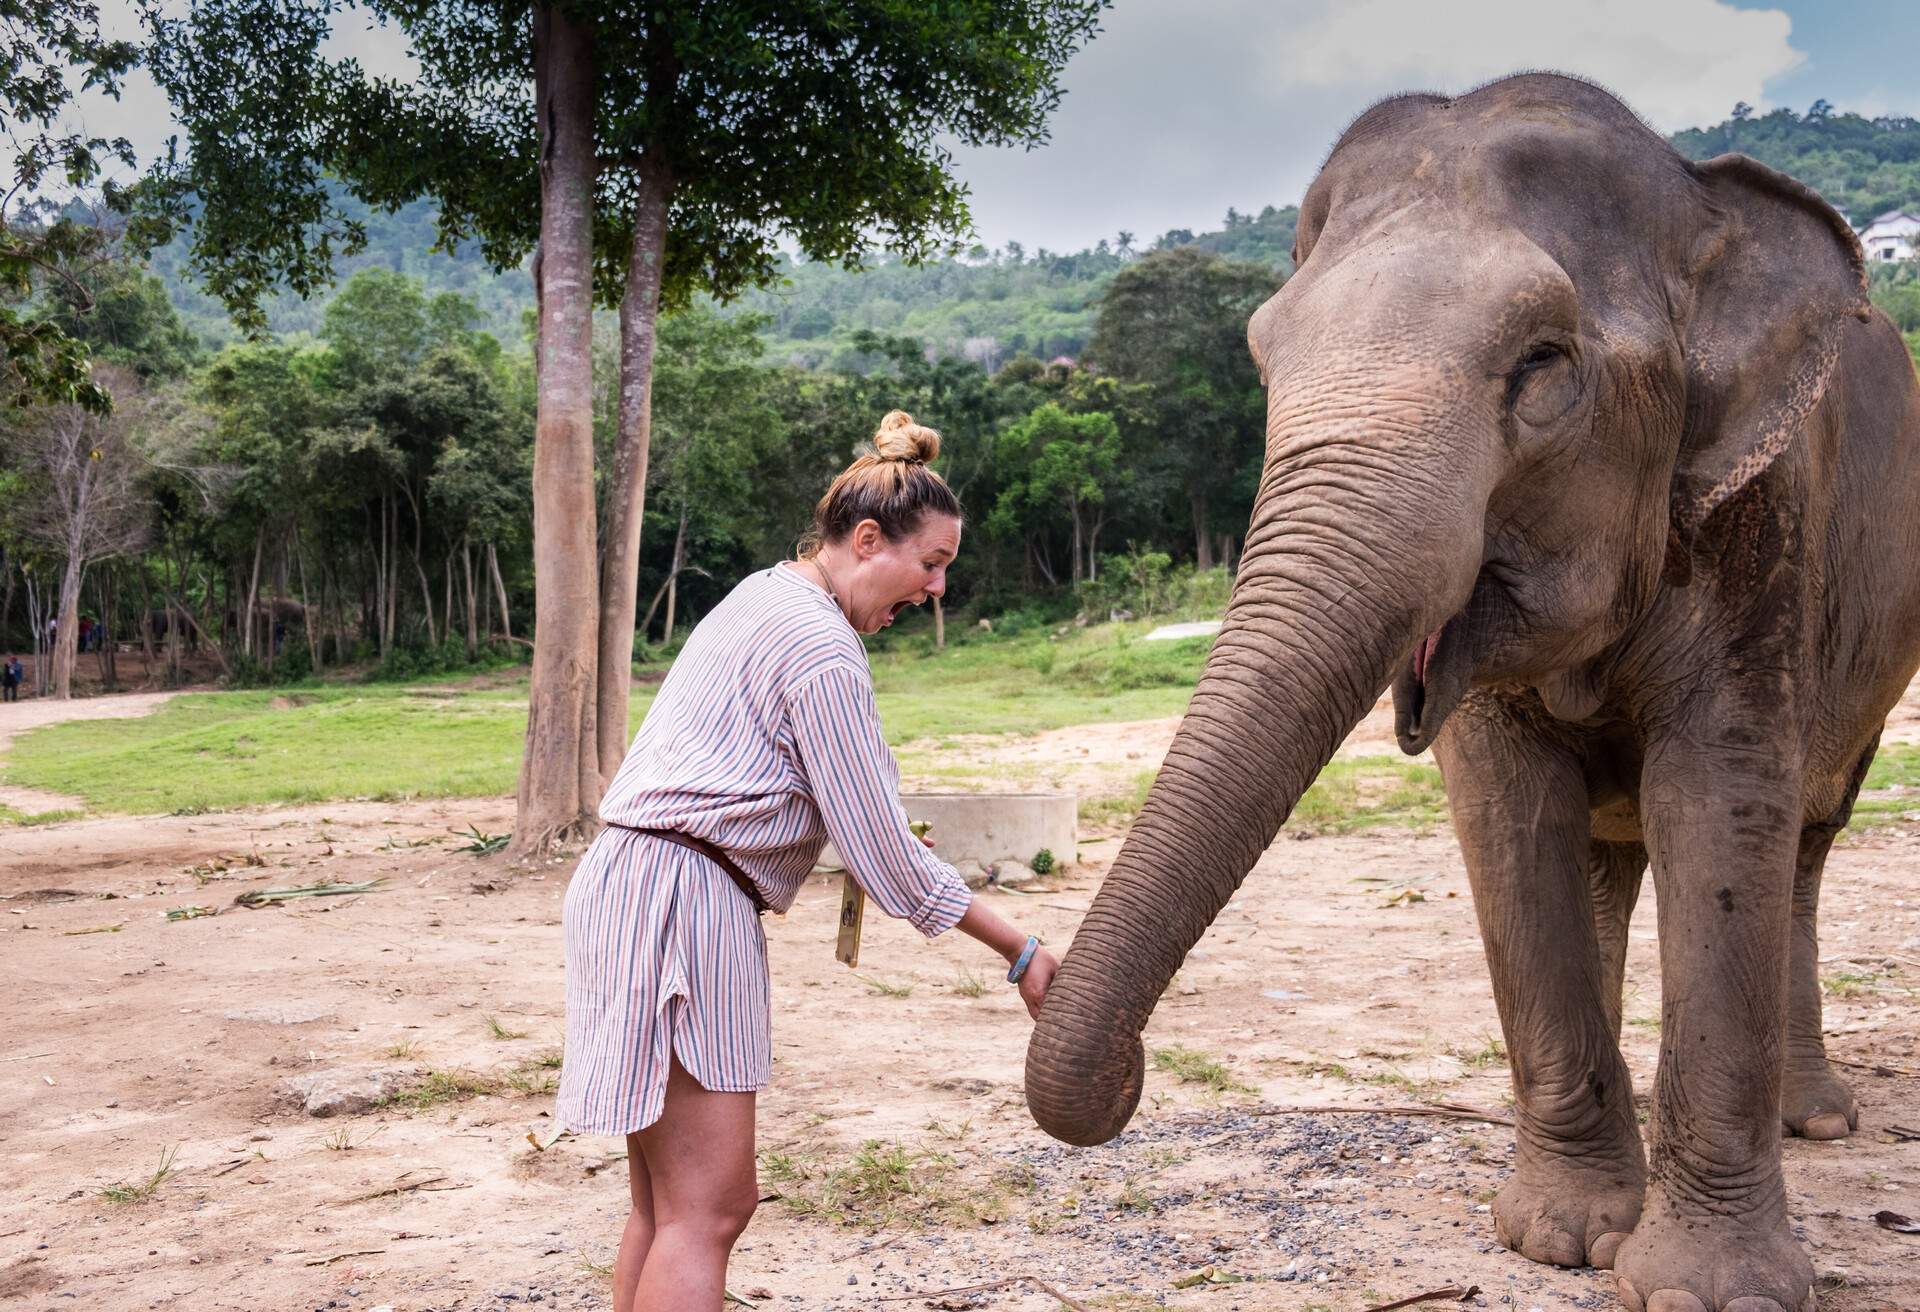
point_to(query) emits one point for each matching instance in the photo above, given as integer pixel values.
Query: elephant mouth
(1441, 670)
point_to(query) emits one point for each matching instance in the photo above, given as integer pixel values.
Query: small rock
(344, 1091)
(1011, 873)
(975, 874)
(283, 1013)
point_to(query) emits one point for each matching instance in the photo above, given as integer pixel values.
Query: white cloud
(1679, 62)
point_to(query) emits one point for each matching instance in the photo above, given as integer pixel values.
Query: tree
(1057, 461)
(1175, 322)
(53, 49)
(85, 502)
(660, 153)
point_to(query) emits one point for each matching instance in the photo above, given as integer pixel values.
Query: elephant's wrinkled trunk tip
(1083, 1102)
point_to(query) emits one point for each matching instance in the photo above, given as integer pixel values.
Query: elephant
(1600, 459)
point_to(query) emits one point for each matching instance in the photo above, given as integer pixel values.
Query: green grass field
(217, 751)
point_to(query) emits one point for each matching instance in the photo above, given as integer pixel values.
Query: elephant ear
(1774, 276)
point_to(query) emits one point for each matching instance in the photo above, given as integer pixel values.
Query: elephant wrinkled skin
(1602, 461)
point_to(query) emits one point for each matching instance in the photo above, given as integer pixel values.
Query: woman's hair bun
(899, 438)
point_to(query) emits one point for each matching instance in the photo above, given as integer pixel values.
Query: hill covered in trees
(1864, 167)
(989, 306)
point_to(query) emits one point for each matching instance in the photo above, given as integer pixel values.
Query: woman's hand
(1033, 984)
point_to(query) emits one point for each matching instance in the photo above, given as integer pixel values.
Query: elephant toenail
(1630, 1296)
(1675, 1300)
(1826, 1125)
(1600, 1255)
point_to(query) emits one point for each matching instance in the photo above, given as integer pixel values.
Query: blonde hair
(888, 483)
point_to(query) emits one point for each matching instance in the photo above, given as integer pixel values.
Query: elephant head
(1528, 353)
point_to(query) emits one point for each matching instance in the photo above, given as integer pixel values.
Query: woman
(762, 743)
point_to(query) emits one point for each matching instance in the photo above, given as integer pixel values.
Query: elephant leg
(1721, 808)
(1814, 1102)
(1614, 871)
(1519, 804)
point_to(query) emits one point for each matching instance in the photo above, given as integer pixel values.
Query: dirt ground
(132, 1036)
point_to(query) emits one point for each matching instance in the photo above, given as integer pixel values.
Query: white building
(1895, 235)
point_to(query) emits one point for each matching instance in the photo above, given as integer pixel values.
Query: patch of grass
(1491, 1053)
(532, 1080)
(1890, 794)
(1850, 983)
(499, 1031)
(404, 1050)
(1116, 811)
(885, 989)
(1191, 1066)
(969, 984)
(13, 816)
(1133, 1197)
(342, 1139)
(1370, 792)
(885, 1184)
(217, 751)
(442, 1087)
(140, 1190)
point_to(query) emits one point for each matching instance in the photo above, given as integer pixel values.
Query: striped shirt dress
(765, 741)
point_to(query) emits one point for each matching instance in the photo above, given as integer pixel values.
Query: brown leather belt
(718, 857)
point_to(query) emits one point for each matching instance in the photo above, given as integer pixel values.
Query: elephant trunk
(1362, 543)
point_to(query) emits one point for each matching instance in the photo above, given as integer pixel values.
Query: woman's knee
(718, 1215)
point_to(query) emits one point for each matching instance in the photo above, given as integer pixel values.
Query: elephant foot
(1564, 1214)
(1817, 1104)
(1700, 1261)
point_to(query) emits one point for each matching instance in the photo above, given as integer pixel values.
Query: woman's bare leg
(699, 1157)
(637, 1238)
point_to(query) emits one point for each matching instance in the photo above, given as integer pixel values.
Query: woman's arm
(983, 923)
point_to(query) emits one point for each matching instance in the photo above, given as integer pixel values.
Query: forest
(351, 487)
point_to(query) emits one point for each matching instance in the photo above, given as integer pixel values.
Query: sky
(1181, 109)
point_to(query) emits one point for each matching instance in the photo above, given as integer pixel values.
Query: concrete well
(989, 827)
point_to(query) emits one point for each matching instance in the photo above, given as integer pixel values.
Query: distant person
(86, 631)
(10, 673)
(762, 743)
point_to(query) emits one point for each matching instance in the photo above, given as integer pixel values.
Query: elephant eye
(1538, 357)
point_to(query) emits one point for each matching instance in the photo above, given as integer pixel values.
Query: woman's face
(890, 576)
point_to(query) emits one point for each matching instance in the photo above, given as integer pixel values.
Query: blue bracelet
(1026, 959)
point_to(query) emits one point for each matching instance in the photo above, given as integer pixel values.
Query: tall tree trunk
(673, 573)
(1073, 510)
(6, 601)
(426, 589)
(1202, 540)
(626, 497)
(103, 647)
(446, 597)
(315, 657)
(392, 618)
(37, 632)
(1093, 545)
(248, 644)
(559, 795)
(659, 595)
(67, 629)
(939, 626)
(500, 589)
(473, 623)
(146, 620)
